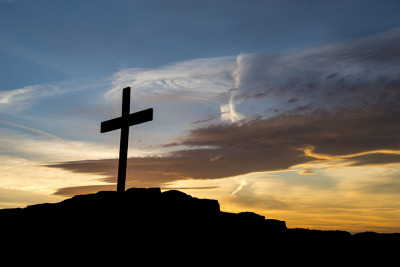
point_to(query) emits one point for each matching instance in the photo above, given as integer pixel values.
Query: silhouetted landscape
(165, 222)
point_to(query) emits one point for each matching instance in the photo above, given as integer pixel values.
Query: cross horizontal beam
(132, 119)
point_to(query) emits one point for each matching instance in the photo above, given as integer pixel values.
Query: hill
(148, 220)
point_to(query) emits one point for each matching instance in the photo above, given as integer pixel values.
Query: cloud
(44, 147)
(199, 79)
(17, 99)
(376, 158)
(333, 103)
(18, 173)
(216, 158)
(389, 186)
(307, 171)
(209, 118)
(228, 111)
(36, 131)
(243, 183)
(7, 96)
(262, 145)
(343, 75)
(205, 80)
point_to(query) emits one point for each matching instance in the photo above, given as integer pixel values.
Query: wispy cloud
(202, 79)
(15, 101)
(36, 131)
(228, 111)
(18, 99)
(243, 183)
(44, 147)
(209, 118)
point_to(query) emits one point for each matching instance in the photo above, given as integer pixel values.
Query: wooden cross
(123, 123)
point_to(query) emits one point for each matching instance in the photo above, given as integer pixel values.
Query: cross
(123, 123)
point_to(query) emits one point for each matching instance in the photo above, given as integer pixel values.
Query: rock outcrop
(163, 223)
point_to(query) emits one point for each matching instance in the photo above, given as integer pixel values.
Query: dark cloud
(292, 100)
(307, 171)
(348, 75)
(340, 133)
(209, 118)
(375, 159)
(260, 145)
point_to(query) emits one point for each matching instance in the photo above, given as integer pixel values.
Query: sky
(289, 109)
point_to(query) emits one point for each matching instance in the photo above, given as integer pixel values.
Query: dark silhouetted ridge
(150, 221)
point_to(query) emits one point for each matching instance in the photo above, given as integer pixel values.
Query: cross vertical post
(123, 123)
(123, 145)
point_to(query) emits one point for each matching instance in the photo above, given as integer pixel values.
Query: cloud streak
(198, 79)
(228, 111)
(17, 99)
(36, 131)
(243, 183)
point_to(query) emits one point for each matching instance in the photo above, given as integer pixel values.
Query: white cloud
(207, 80)
(17, 99)
(7, 96)
(201, 79)
(243, 183)
(228, 111)
(21, 99)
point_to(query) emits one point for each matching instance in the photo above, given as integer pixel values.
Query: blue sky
(271, 106)
(49, 41)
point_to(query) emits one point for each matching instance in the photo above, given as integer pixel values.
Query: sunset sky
(289, 109)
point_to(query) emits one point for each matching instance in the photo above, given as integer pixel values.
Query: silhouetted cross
(123, 123)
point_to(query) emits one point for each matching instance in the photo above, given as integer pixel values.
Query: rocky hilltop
(166, 222)
(147, 210)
